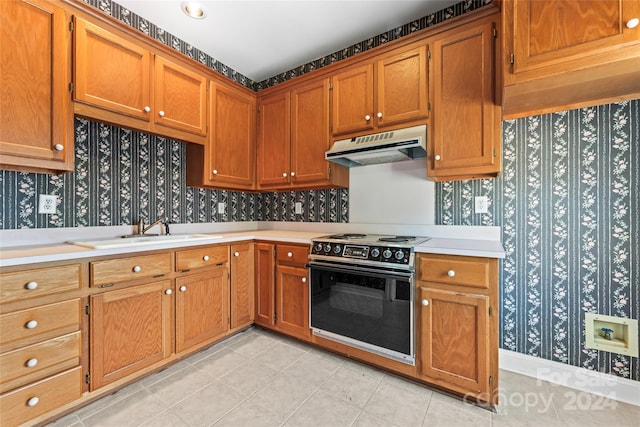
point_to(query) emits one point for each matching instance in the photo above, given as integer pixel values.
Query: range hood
(385, 147)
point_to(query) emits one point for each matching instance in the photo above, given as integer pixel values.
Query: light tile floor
(258, 378)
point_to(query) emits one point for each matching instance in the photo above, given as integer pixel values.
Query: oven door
(364, 307)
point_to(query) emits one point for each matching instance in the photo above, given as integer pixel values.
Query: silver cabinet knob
(425, 302)
(304, 280)
(59, 147)
(168, 292)
(32, 362)
(367, 117)
(284, 174)
(632, 23)
(451, 273)
(137, 269)
(215, 171)
(33, 401)
(183, 288)
(31, 324)
(437, 157)
(236, 254)
(147, 109)
(161, 113)
(293, 174)
(379, 115)
(205, 258)
(289, 254)
(32, 286)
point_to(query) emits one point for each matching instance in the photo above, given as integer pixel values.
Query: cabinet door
(111, 72)
(274, 140)
(292, 299)
(231, 146)
(265, 283)
(180, 97)
(548, 32)
(465, 131)
(402, 82)
(310, 133)
(202, 302)
(352, 100)
(36, 115)
(242, 311)
(130, 330)
(454, 339)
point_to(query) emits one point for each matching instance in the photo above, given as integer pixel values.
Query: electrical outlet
(221, 207)
(481, 204)
(298, 208)
(47, 204)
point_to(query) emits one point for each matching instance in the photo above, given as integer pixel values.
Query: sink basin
(141, 240)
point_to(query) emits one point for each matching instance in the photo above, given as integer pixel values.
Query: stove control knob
(399, 254)
(387, 253)
(337, 249)
(375, 253)
(327, 248)
(318, 247)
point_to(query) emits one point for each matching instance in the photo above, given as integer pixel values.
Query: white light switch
(481, 204)
(298, 208)
(221, 207)
(47, 204)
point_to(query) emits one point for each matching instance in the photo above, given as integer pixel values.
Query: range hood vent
(385, 147)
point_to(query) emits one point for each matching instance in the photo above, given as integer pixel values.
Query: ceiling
(263, 38)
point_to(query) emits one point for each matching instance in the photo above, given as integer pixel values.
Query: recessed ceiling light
(193, 9)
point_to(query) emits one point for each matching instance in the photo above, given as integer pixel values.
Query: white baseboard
(598, 383)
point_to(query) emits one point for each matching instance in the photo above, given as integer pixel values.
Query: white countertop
(486, 245)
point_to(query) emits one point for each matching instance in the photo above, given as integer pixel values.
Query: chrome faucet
(142, 229)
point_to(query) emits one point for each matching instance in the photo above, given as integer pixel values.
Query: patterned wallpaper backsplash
(568, 202)
(120, 13)
(121, 175)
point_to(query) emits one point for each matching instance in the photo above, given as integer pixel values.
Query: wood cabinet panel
(123, 269)
(296, 255)
(130, 329)
(465, 132)
(455, 339)
(292, 298)
(111, 72)
(264, 266)
(26, 284)
(44, 396)
(201, 257)
(352, 100)
(242, 285)
(202, 308)
(36, 113)
(465, 271)
(274, 140)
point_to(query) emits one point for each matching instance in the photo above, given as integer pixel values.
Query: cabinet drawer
(39, 398)
(37, 361)
(35, 321)
(121, 270)
(201, 257)
(455, 270)
(290, 254)
(39, 282)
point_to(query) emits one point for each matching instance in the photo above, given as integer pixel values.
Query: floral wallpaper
(568, 201)
(121, 175)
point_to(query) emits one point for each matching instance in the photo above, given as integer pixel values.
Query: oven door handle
(358, 269)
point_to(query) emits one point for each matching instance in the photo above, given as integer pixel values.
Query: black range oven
(362, 292)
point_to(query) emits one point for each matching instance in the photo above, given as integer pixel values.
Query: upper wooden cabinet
(36, 113)
(293, 137)
(465, 130)
(389, 91)
(119, 80)
(568, 53)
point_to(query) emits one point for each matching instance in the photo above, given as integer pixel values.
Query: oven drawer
(455, 270)
(292, 255)
(119, 270)
(201, 257)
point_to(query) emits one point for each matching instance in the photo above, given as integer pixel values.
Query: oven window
(373, 310)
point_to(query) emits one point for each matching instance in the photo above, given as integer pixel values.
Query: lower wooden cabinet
(265, 276)
(241, 298)
(292, 301)
(202, 308)
(130, 330)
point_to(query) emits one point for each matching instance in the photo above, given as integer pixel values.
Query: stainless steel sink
(141, 240)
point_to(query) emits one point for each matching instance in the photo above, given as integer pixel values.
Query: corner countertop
(24, 255)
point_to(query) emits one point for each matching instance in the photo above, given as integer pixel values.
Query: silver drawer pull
(32, 324)
(32, 285)
(32, 362)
